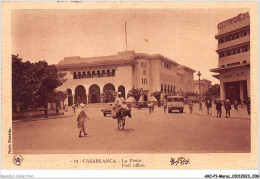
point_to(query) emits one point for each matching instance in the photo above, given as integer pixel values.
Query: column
(222, 91)
(248, 87)
(241, 90)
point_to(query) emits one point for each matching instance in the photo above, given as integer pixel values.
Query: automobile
(175, 103)
(108, 109)
(142, 105)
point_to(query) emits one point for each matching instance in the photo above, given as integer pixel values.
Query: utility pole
(125, 38)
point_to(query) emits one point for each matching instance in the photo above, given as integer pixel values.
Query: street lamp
(199, 91)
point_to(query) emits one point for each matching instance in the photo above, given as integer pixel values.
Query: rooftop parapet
(238, 22)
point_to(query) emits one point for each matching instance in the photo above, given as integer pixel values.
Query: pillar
(248, 87)
(241, 90)
(222, 91)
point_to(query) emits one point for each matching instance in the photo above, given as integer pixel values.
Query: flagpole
(125, 38)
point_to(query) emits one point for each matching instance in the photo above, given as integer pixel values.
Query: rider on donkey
(120, 102)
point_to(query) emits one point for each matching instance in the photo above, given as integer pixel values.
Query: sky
(186, 36)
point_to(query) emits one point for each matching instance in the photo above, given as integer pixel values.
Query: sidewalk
(241, 113)
(51, 116)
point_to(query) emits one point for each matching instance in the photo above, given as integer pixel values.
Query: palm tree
(136, 93)
(109, 95)
(157, 95)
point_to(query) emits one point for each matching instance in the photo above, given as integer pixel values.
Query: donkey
(121, 115)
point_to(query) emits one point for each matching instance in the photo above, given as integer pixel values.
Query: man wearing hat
(81, 118)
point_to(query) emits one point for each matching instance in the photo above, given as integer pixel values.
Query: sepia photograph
(130, 81)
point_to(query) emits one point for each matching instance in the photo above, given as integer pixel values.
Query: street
(158, 132)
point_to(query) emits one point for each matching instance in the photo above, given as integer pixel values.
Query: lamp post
(199, 91)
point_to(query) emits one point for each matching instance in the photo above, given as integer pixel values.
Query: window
(93, 74)
(98, 73)
(79, 75)
(113, 72)
(108, 72)
(84, 74)
(88, 74)
(103, 73)
(227, 52)
(143, 64)
(74, 75)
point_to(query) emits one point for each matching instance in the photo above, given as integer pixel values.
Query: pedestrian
(152, 106)
(81, 119)
(74, 107)
(209, 105)
(248, 105)
(227, 108)
(191, 106)
(57, 110)
(236, 105)
(242, 103)
(219, 108)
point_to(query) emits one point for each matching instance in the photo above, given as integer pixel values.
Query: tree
(22, 90)
(33, 83)
(109, 95)
(136, 93)
(213, 91)
(58, 96)
(48, 78)
(157, 95)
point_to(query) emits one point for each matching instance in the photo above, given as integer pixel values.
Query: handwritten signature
(180, 160)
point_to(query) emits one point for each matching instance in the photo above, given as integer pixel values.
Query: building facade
(202, 87)
(90, 80)
(234, 58)
(185, 81)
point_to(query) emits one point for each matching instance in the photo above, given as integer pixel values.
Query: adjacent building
(202, 87)
(233, 69)
(90, 79)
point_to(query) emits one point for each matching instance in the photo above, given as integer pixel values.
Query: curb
(249, 118)
(39, 119)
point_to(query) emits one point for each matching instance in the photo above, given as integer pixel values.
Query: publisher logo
(18, 160)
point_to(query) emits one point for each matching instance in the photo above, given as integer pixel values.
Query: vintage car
(175, 103)
(142, 104)
(108, 109)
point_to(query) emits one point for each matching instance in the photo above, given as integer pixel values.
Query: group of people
(219, 104)
(227, 106)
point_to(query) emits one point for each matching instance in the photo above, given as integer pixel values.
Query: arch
(121, 89)
(84, 74)
(113, 72)
(108, 93)
(88, 74)
(108, 72)
(98, 73)
(168, 88)
(165, 86)
(70, 97)
(93, 74)
(80, 95)
(94, 94)
(103, 73)
(79, 75)
(74, 75)
(161, 87)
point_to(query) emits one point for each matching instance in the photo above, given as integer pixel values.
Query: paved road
(158, 132)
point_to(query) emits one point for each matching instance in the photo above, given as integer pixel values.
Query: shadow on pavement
(125, 130)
